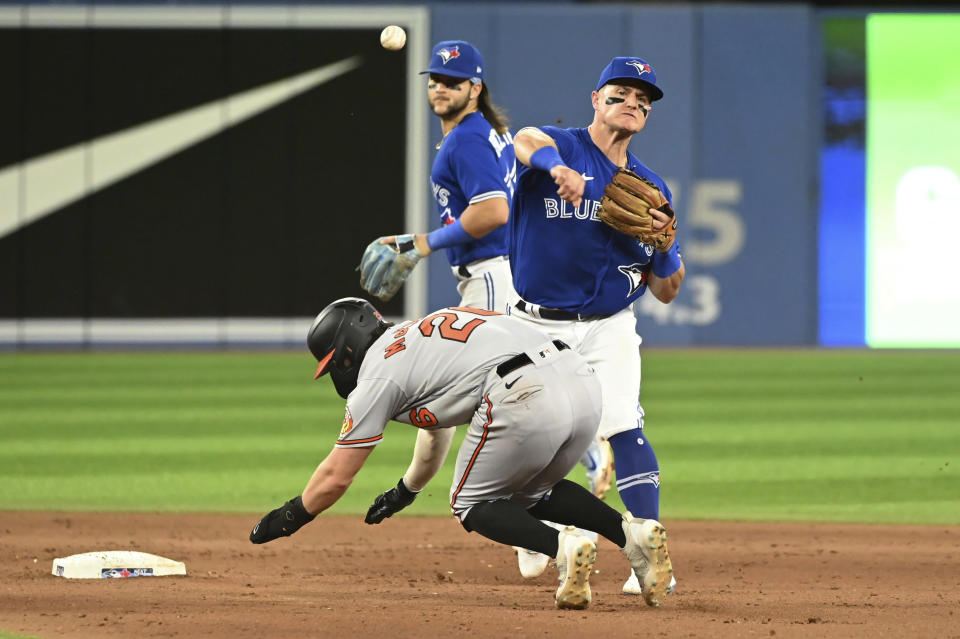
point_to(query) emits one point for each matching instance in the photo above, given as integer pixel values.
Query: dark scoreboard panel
(266, 218)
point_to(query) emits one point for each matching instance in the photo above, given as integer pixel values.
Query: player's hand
(635, 206)
(281, 522)
(390, 502)
(660, 219)
(386, 264)
(570, 184)
(419, 242)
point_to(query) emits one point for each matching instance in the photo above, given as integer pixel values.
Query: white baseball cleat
(531, 563)
(575, 560)
(632, 585)
(646, 549)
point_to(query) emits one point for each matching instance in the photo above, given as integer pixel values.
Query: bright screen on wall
(912, 180)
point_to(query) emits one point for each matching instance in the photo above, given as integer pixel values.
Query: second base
(111, 564)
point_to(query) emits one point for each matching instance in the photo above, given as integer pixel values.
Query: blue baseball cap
(457, 59)
(631, 69)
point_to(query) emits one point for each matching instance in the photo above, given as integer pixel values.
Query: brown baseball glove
(626, 205)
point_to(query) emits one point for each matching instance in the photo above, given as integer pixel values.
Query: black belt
(523, 359)
(568, 316)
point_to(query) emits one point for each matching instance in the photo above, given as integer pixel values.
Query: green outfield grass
(815, 435)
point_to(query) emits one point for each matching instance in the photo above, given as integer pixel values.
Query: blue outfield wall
(736, 136)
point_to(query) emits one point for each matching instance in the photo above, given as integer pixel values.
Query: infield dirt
(426, 577)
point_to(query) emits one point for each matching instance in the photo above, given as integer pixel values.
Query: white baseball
(393, 38)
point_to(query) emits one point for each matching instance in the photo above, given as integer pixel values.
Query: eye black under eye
(446, 81)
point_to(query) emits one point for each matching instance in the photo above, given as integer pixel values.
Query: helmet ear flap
(345, 380)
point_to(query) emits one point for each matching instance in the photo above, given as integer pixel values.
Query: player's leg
(514, 439)
(509, 523)
(640, 484)
(573, 386)
(564, 501)
(520, 442)
(532, 563)
(612, 347)
(642, 541)
(638, 474)
(571, 504)
(490, 286)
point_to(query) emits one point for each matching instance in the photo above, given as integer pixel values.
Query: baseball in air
(393, 38)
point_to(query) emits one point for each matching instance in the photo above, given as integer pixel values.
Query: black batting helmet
(340, 337)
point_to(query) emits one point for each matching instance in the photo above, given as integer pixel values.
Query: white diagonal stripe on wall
(42, 185)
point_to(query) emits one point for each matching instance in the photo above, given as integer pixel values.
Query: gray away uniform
(527, 429)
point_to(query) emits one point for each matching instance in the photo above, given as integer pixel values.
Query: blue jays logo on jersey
(637, 276)
(449, 54)
(640, 67)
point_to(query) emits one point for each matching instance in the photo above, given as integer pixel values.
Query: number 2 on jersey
(446, 327)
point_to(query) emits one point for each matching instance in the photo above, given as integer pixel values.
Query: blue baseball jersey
(474, 164)
(563, 256)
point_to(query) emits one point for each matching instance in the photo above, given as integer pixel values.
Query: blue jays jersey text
(563, 256)
(474, 164)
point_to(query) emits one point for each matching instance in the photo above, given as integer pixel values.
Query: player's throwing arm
(538, 150)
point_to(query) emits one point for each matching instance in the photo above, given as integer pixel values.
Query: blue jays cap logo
(624, 68)
(463, 58)
(641, 67)
(449, 54)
